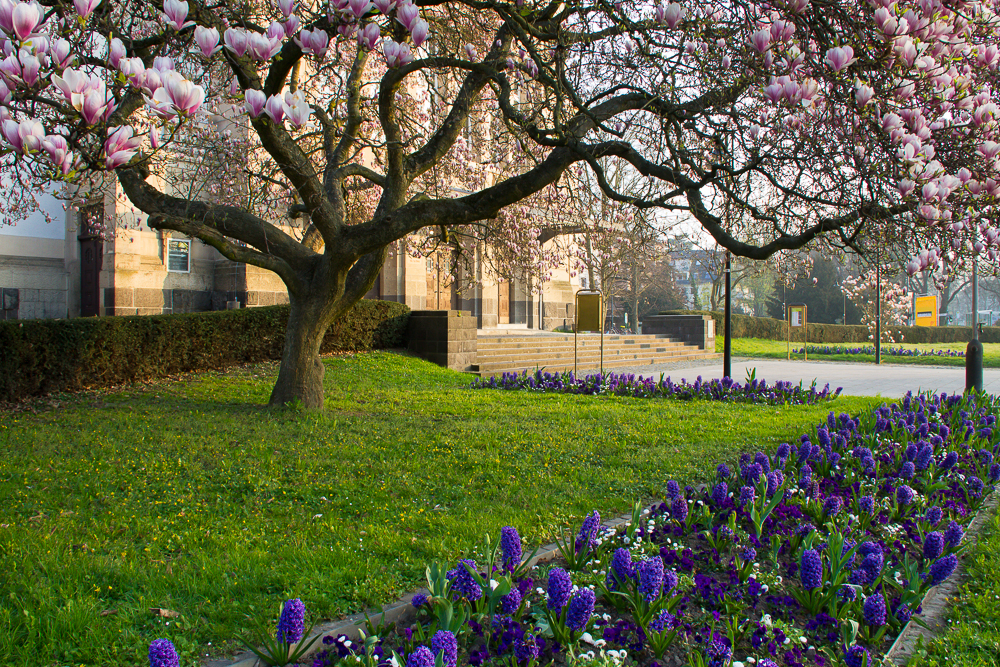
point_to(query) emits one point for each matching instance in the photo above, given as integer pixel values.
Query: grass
(190, 497)
(973, 634)
(778, 349)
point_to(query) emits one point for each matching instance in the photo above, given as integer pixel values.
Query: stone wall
(33, 287)
(444, 337)
(691, 329)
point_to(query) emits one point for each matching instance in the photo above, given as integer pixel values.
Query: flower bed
(814, 555)
(870, 350)
(628, 384)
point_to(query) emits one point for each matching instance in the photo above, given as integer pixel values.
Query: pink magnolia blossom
(673, 15)
(359, 7)
(286, 7)
(275, 108)
(23, 137)
(368, 36)
(236, 40)
(5, 94)
(407, 14)
(61, 54)
(30, 66)
(261, 48)
(98, 105)
(862, 93)
(347, 30)
(25, 18)
(174, 14)
(120, 147)
(396, 54)
(384, 6)
(275, 31)
(471, 53)
(419, 32)
(315, 42)
(207, 40)
(297, 109)
(84, 8)
(185, 95)
(774, 92)
(154, 137)
(255, 101)
(989, 149)
(6, 16)
(761, 40)
(906, 187)
(56, 147)
(163, 63)
(291, 26)
(117, 52)
(840, 57)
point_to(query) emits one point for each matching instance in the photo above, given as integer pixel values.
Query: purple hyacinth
(847, 593)
(805, 475)
(949, 461)
(719, 494)
(560, 587)
(291, 625)
(581, 608)
(526, 649)
(673, 489)
(811, 571)
(749, 554)
(924, 457)
(418, 601)
(421, 657)
(767, 662)
(933, 545)
(953, 535)
(942, 568)
(163, 654)
(911, 452)
(753, 473)
(773, 482)
(832, 506)
(511, 602)
(857, 656)
(679, 509)
(621, 565)
(866, 504)
(650, 574)
(765, 463)
(588, 532)
(445, 644)
(719, 654)
(933, 515)
(907, 470)
(662, 622)
(669, 581)
(975, 484)
(783, 451)
(903, 614)
(985, 457)
(746, 496)
(510, 546)
(994, 474)
(904, 495)
(875, 610)
(462, 581)
(722, 472)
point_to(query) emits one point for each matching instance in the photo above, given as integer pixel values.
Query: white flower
(606, 617)
(540, 590)
(588, 638)
(393, 661)
(493, 584)
(599, 643)
(737, 663)
(767, 620)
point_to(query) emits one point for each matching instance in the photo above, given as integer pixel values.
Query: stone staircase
(498, 354)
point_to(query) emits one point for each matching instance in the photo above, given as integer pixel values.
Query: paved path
(889, 380)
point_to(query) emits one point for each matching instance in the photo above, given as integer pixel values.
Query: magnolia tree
(815, 120)
(880, 301)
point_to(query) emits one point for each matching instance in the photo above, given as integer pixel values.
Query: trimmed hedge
(38, 357)
(746, 326)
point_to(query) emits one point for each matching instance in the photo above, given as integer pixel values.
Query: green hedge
(746, 326)
(38, 357)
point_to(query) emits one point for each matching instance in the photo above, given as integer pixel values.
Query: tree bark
(300, 378)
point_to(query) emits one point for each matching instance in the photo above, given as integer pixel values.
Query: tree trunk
(300, 379)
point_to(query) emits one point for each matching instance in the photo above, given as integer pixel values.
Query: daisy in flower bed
(628, 384)
(815, 554)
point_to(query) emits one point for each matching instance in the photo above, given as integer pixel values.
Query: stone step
(543, 357)
(594, 365)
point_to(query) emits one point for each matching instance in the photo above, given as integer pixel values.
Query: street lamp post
(727, 350)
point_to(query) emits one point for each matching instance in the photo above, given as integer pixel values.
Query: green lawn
(189, 496)
(778, 349)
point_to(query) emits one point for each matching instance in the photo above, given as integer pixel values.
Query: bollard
(974, 366)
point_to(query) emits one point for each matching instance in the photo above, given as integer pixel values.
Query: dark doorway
(91, 259)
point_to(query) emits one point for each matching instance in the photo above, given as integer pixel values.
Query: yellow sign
(797, 316)
(926, 311)
(589, 311)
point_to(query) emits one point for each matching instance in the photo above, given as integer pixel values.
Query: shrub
(746, 326)
(38, 357)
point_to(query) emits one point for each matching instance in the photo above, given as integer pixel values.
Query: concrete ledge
(444, 337)
(692, 329)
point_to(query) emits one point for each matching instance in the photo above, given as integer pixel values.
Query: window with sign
(179, 255)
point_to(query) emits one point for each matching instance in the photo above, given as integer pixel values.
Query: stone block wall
(32, 288)
(444, 337)
(691, 329)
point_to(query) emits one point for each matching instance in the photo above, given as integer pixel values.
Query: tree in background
(819, 289)
(813, 120)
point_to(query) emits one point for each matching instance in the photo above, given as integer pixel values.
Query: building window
(179, 255)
